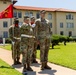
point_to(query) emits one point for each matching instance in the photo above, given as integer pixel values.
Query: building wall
(3, 7)
(56, 19)
(61, 18)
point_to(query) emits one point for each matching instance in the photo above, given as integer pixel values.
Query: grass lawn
(8, 47)
(61, 55)
(5, 69)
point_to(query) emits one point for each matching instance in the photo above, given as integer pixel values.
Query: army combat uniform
(26, 46)
(43, 36)
(14, 34)
(35, 40)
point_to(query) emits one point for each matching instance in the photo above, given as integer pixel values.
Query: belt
(17, 38)
(28, 36)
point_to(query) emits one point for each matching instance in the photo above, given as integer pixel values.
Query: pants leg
(30, 50)
(18, 49)
(42, 50)
(47, 45)
(34, 52)
(24, 48)
(14, 51)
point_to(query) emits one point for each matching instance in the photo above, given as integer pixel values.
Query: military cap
(32, 17)
(16, 20)
(42, 11)
(25, 16)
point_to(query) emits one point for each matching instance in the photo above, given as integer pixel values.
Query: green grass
(63, 55)
(5, 69)
(8, 47)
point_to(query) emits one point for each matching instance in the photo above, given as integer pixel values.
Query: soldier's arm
(11, 33)
(36, 28)
(21, 29)
(49, 28)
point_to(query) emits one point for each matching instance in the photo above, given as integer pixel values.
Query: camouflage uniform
(34, 52)
(27, 43)
(35, 41)
(14, 34)
(43, 36)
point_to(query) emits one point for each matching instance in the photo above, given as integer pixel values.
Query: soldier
(43, 36)
(35, 41)
(27, 43)
(14, 34)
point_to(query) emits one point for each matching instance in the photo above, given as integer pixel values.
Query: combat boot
(34, 61)
(18, 62)
(15, 62)
(28, 67)
(46, 66)
(42, 66)
(24, 68)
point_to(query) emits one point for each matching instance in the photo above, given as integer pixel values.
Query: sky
(67, 4)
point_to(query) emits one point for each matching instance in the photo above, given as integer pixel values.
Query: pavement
(56, 69)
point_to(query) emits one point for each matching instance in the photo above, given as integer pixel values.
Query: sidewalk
(56, 70)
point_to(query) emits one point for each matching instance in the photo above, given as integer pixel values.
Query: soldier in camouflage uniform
(35, 41)
(14, 34)
(43, 36)
(27, 44)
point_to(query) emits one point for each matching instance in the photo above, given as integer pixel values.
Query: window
(49, 16)
(19, 14)
(31, 14)
(70, 33)
(51, 25)
(70, 25)
(15, 14)
(5, 34)
(27, 13)
(61, 33)
(61, 25)
(5, 24)
(38, 15)
(69, 16)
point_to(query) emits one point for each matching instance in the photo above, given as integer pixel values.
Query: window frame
(49, 16)
(5, 34)
(19, 14)
(5, 24)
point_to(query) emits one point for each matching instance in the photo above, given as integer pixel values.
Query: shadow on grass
(49, 72)
(6, 67)
(54, 48)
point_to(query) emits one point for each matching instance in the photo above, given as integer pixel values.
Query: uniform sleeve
(11, 33)
(21, 30)
(36, 28)
(49, 28)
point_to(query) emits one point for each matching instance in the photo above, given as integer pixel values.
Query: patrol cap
(43, 11)
(32, 17)
(16, 20)
(26, 16)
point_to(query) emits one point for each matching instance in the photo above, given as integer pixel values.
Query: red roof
(40, 8)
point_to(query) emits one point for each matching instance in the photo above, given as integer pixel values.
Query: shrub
(74, 38)
(7, 40)
(62, 38)
(69, 39)
(54, 40)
